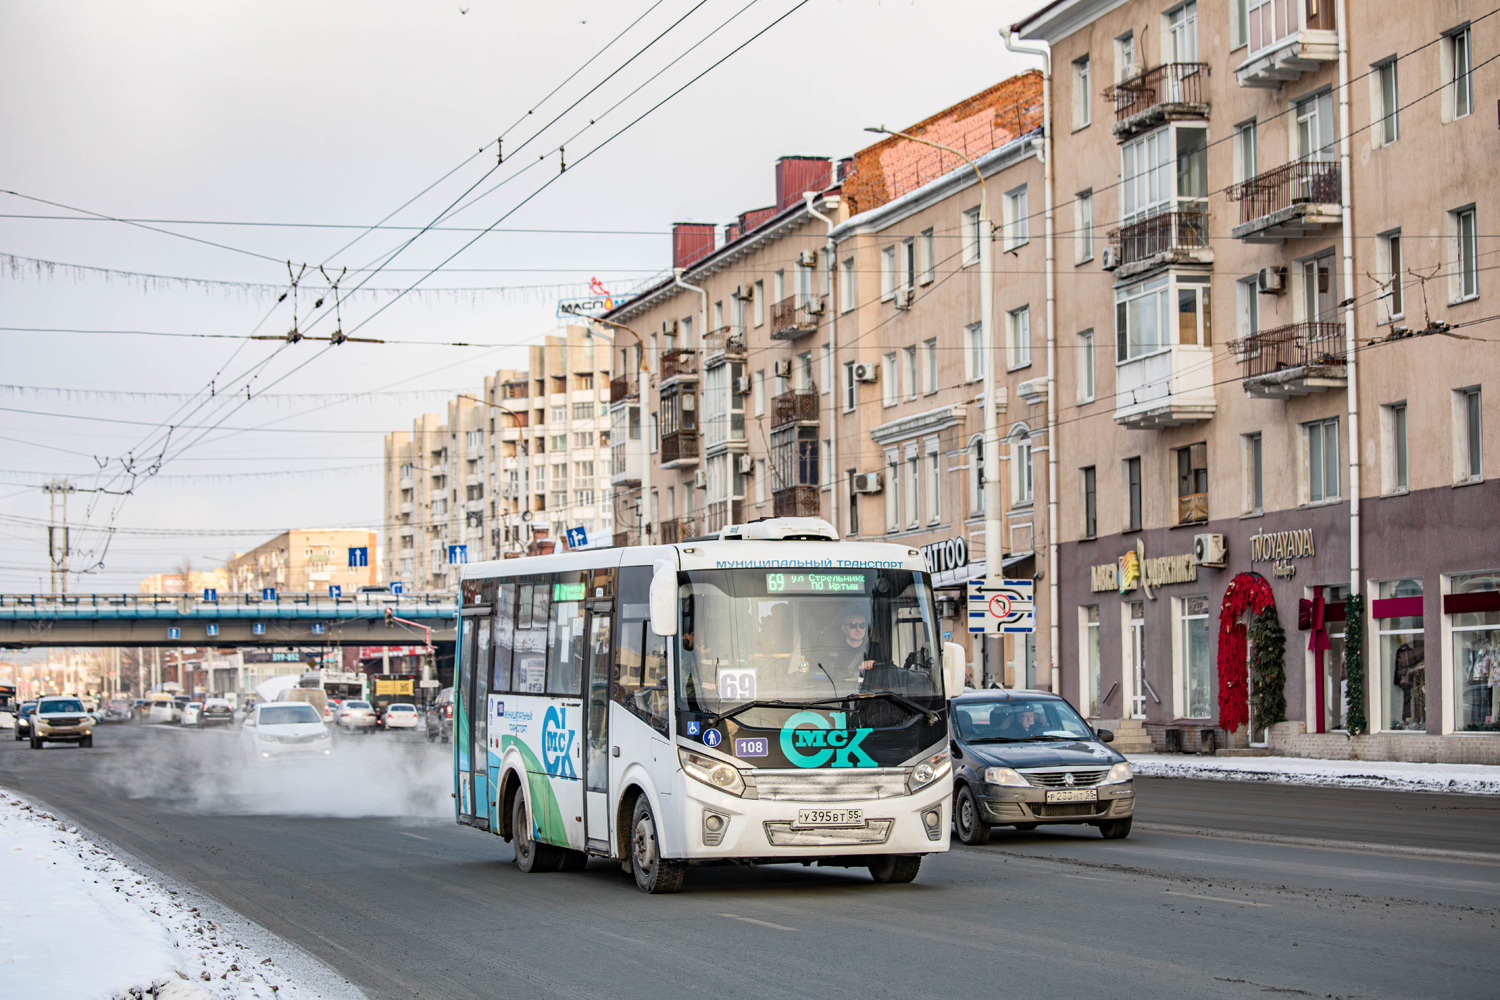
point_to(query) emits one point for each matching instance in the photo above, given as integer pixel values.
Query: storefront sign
(1280, 547)
(1134, 570)
(947, 561)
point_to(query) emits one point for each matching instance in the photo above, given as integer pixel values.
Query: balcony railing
(1305, 182)
(1172, 89)
(624, 387)
(724, 342)
(799, 406)
(679, 529)
(1192, 508)
(679, 362)
(795, 316)
(795, 501)
(1295, 345)
(1145, 238)
(679, 447)
(724, 512)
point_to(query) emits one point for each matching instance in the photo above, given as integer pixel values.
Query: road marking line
(417, 835)
(1442, 854)
(1216, 899)
(752, 920)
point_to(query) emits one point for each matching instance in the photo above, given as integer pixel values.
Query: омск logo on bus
(831, 740)
(557, 743)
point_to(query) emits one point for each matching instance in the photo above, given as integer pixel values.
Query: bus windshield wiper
(899, 699)
(719, 717)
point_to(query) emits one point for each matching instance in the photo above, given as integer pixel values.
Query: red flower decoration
(1246, 592)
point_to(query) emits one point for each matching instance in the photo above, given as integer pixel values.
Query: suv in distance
(215, 712)
(438, 718)
(61, 720)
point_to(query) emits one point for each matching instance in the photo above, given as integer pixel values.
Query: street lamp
(991, 470)
(521, 421)
(641, 374)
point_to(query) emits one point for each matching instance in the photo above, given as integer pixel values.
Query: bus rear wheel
(653, 873)
(530, 855)
(895, 867)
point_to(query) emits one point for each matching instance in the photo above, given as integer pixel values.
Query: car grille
(300, 739)
(842, 784)
(1062, 810)
(876, 831)
(56, 721)
(1058, 777)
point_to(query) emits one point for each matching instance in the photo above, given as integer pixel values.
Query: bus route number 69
(737, 685)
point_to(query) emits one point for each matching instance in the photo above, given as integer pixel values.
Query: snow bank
(77, 921)
(1471, 779)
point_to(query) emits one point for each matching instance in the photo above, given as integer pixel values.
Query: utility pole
(57, 542)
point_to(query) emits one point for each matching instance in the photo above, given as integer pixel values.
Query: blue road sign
(210, 594)
(334, 590)
(713, 738)
(359, 557)
(458, 555)
(317, 628)
(213, 630)
(578, 538)
(258, 628)
(174, 633)
(395, 586)
(268, 593)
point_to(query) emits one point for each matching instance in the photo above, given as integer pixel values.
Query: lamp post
(641, 374)
(991, 472)
(525, 449)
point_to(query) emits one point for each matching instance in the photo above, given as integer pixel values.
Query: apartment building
(1276, 215)
(307, 560)
(507, 472)
(191, 582)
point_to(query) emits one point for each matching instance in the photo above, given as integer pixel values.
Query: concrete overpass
(35, 620)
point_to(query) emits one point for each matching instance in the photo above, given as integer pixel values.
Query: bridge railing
(231, 604)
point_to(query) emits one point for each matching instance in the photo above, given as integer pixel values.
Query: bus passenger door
(479, 723)
(596, 756)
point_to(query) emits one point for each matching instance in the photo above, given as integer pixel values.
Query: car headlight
(724, 777)
(268, 737)
(1005, 776)
(1120, 772)
(929, 770)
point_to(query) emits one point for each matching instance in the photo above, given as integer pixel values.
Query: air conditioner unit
(1208, 550)
(868, 482)
(700, 479)
(866, 373)
(904, 298)
(1271, 280)
(742, 384)
(815, 305)
(1111, 258)
(782, 367)
(745, 293)
(669, 327)
(807, 258)
(744, 464)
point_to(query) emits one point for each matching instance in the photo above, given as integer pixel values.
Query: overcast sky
(338, 113)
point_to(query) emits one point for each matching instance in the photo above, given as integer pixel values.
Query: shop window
(1403, 656)
(1088, 657)
(1195, 667)
(1474, 608)
(1335, 677)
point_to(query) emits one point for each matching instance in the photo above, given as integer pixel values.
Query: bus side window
(565, 635)
(640, 685)
(504, 641)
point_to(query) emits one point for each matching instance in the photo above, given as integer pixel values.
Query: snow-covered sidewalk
(1472, 779)
(77, 921)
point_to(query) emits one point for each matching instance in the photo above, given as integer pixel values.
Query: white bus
(771, 695)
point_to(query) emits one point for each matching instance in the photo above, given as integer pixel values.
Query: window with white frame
(1253, 475)
(1086, 366)
(760, 480)
(1090, 502)
(1018, 322)
(825, 367)
(926, 258)
(932, 479)
(760, 303)
(1132, 476)
(1403, 659)
(1182, 33)
(889, 388)
(1141, 319)
(1393, 465)
(892, 492)
(1465, 275)
(1239, 24)
(758, 393)
(1124, 56)
(1468, 435)
(1246, 166)
(930, 366)
(1146, 181)
(971, 237)
(1385, 107)
(1388, 262)
(1017, 218)
(1083, 226)
(913, 511)
(909, 371)
(1247, 296)
(1021, 492)
(974, 352)
(1088, 659)
(1321, 476)
(557, 414)
(655, 435)
(907, 264)
(888, 273)
(846, 285)
(1083, 99)
(1194, 666)
(778, 285)
(976, 475)
(850, 385)
(1476, 648)
(1458, 69)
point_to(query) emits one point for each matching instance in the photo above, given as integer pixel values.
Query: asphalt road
(1225, 889)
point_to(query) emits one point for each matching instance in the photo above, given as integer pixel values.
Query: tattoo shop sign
(1134, 571)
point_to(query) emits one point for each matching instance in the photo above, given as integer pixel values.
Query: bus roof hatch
(782, 529)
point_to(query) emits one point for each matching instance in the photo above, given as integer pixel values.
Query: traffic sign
(213, 630)
(359, 557)
(395, 586)
(174, 633)
(258, 628)
(211, 594)
(458, 555)
(1003, 607)
(268, 593)
(317, 628)
(335, 590)
(578, 538)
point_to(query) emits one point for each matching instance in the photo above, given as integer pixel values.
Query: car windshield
(1019, 719)
(282, 715)
(403, 708)
(356, 704)
(195, 704)
(807, 636)
(61, 705)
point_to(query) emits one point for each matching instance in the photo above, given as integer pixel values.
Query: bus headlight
(1005, 776)
(928, 771)
(724, 777)
(1119, 773)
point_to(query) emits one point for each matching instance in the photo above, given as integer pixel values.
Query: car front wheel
(891, 868)
(1115, 829)
(972, 830)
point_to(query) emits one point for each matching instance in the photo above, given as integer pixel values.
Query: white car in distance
(284, 730)
(401, 716)
(190, 713)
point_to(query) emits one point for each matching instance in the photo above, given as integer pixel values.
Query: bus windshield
(805, 636)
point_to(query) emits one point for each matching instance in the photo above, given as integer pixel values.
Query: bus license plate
(812, 818)
(1074, 795)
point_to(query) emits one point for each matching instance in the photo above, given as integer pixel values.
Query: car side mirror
(664, 598)
(954, 668)
(1105, 735)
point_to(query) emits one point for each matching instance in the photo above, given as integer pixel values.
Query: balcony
(1298, 199)
(679, 450)
(1192, 508)
(795, 501)
(1162, 239)
(623, 388)
(795, 317)
(679, 365)
(1294, 360)
(625, 463)
(1169, 388)
(1162, 93)
(799, 406)
(1285, 43)
(724, 343)
(680, 529)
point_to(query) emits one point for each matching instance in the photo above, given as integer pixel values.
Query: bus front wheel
(530, 855)
(653, 873)
(895, 867)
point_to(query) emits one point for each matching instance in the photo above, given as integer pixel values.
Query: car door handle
(614, 751)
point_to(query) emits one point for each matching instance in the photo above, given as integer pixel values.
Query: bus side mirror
(954, 668)
(664, 599)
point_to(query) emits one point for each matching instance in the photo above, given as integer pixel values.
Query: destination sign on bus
(569, 591)
(815, 583)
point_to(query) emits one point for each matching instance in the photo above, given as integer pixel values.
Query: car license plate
(1074, 795)
(811, 818)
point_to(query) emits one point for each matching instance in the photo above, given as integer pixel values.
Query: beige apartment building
(1271, 221)
(510, 469)
(308, 560)
(194, 581)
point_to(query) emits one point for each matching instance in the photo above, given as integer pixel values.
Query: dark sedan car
(23, 720)
(1022, 758)
(438, 719)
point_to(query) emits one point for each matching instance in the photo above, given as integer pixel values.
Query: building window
(1387, 105)
(927, 259)
(1124, 56)
(1245, 167)
(973, 352)
(1017, 219)
(1133, 494)
(760, 303)
(1141, 319)
(758, 393)
(853, 502)
(1403, 656)
(846, 285)
(1255, 483)
(934, 480)
(557, 414)
(1468, 437)
(1088, 657)
(892, 492)
(1083, 226)
(1182, 33)
(913, 512)
(655, 435)
(1321, 438)
(1239, 24)
(1083, 99)
(1392, 292)
(1393, 475)
(1192, 484)
(888, 386)
(1090, 504)
(583, 411)
(1465, 255)
(910, 355)
(850, 385)
(930, 366)
(976, 475)
(971, 237)
(1020, 470)
(907, 264)
(1196, 667)
(1247, 294)
(1476, 657)
(1458, 65)
(559, 442)
(583, 439)
(1086, 366)
(1019, 324)
(887, 274)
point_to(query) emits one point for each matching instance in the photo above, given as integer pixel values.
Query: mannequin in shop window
(1411, 678)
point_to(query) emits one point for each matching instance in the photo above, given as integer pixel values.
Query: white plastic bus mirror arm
(664, 598)
(954, 668)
